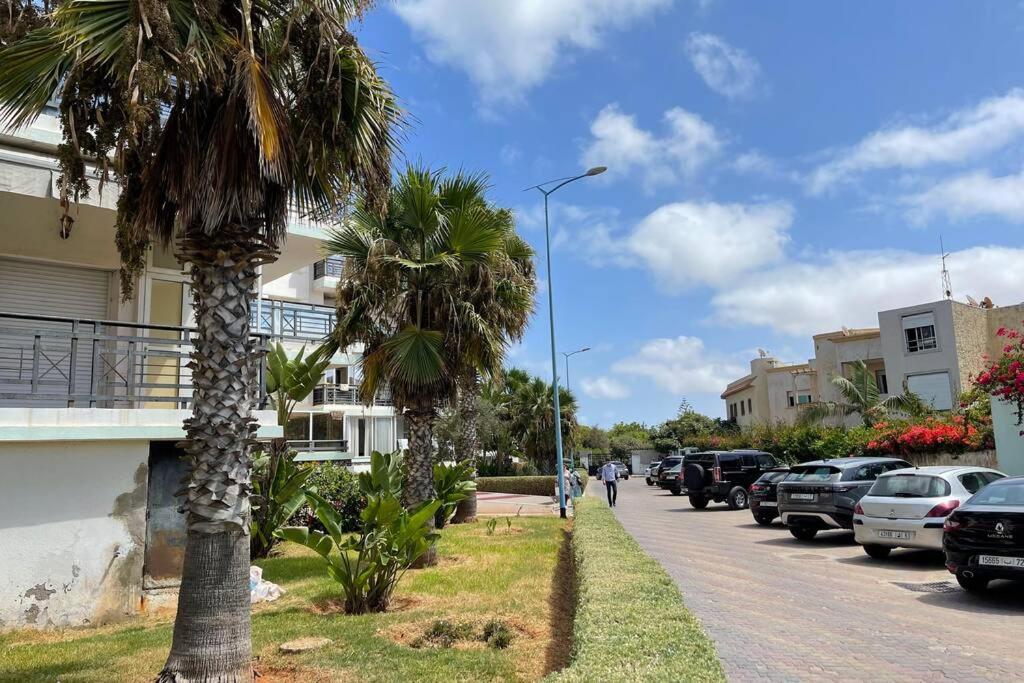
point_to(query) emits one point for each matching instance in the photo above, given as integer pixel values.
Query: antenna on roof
(846, 331)
(947, 285)
(762, 353)
(972, 301)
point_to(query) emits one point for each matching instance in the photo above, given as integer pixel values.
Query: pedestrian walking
(610, 477)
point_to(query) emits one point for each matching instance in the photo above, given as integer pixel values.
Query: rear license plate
(1001, 561)
(802, 496)
(769, 504)
(901, 535)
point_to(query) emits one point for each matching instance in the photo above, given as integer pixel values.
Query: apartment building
(93, 391)
(771, 392)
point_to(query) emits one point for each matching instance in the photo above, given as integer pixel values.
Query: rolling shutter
(933, 388)
(920, 320)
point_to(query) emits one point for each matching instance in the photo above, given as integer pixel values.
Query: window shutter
(918, 320)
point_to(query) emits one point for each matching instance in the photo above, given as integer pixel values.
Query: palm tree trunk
(468, 442)
(418, 484)
(212, 626)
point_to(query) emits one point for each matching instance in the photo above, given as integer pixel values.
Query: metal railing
(290, 320)
(318, 445)
(328, 267)
(331, 394)
(77, 363)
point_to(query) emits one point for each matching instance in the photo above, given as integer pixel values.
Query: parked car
(907, 508)
(622, 470)
(651, 475)
(763, 495)
(668, 472)
(984, 537)
(821, 494)
(722, 476)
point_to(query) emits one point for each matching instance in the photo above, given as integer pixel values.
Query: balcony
(334, 395)
(288, 320)
(327, 273)
(77, 363)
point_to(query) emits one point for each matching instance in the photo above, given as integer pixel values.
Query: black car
(984, 538)
(722, 476)
(821, 494)
(667, 474)
(763, 495)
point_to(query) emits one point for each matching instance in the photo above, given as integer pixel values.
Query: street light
(562, 182)
(567, 354)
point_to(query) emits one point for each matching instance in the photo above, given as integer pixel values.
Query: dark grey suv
(821, 494)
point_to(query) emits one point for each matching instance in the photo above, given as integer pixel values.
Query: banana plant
(277, 482)
(453, 484)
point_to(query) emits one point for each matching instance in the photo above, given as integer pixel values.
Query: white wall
(1009, 442)
(296, 286)
(72, 530)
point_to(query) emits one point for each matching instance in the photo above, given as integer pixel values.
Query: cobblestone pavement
(782, 610)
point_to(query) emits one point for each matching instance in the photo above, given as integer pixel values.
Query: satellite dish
(987, 303)
(762, 353)
(972, 301)
(846, 331)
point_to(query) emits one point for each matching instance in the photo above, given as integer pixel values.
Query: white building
(93, 392)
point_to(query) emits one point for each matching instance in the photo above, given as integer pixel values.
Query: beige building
(772, 392)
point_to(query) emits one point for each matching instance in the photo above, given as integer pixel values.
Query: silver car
(907, 508)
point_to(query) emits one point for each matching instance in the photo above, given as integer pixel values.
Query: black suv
(722, 476)
(984, 538)
(667, 474)
(764, 503)
(821, 494)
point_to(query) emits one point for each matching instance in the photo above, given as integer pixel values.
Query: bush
(338, 486)
(631, 624)
(503, 467)
(530, 486)
(497, 634)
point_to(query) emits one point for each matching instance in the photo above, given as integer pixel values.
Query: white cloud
(755, 163)
(849, 288)
(510, 154)
(727, 70)
(508, 47)
(604, 387)
(690, 243)
(620, 144)
(972, 194)
(681, 365)
(964, 135)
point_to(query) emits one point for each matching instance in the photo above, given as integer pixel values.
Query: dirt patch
(335, 605)
(562, 603)
(410, 633)
(280, 673)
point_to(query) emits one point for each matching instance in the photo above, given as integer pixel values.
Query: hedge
(631, 624)
(543, 485)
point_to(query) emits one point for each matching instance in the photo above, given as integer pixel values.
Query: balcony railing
(318, 445)
(331, 394)
(289, 320)
(78, 363)
(328, 267)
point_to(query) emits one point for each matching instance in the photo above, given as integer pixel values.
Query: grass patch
(513, 578)
(631, 624)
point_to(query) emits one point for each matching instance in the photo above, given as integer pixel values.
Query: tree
(403, 294)
(594, 438)
(530, 411)
(626, 437)
(861, 398)
(214, 118)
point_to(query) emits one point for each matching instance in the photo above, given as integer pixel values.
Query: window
(919, 332)
(766, 460)
(743, 408)
(792, 399)
(750, 406)
(882, 382)
(729, 461)
(910, 486)
(749, 461)
(933, 388)
(972, 481)
(341, 375)
(814, 473)
(1000, 494)
(803, 399)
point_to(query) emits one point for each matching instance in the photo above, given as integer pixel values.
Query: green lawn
(519, 576)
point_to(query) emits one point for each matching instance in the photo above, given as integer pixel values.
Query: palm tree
(404, 294)
(215, 119)
(531, 413)
(862, 397)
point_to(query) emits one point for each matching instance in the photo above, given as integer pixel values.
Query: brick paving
(782, 610)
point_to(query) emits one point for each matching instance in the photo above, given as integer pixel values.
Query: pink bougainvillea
(1004, 378)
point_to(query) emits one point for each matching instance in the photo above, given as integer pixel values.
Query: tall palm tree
(862, 397)
(214, 118)
(404, 295)
(531, 413)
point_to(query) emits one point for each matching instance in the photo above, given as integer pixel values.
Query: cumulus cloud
(727, 70)
(971, 194)
(604, 387)
(681, 365)
(626, 149)
(964, 135)
(506, 48)
(806, 297)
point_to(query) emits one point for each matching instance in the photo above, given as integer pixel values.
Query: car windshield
(910, 486)
(670, 462)
(1000, 494)
(814, 473)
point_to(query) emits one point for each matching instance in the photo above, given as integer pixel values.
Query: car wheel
(626, 477)
(676, 491)
(698, 502)
(763, 520)
(738, 499)
(972, 584)
(879, 552)
(802, 533)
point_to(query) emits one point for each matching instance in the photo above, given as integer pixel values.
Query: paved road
(782, 610)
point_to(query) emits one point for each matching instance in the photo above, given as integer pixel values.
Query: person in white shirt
(609, 475)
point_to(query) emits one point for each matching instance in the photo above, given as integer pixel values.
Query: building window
(881, 381)
(743, 408)
(750, 406)
(341, 375)
(792, 399)
(803, 398)
(796, 398)
(919, 332)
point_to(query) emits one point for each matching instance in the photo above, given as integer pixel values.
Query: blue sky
(776, 169)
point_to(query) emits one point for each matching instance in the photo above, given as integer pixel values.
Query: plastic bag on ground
(260, 590)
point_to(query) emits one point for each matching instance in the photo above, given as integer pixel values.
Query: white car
(907, 508)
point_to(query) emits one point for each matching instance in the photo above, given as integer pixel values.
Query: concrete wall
(296, 286)
(899, 364)
(782, 381)
(970, 331)
(72, 529)
(1009, 442)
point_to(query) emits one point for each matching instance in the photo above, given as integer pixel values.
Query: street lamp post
(568, 386)
(562, 182)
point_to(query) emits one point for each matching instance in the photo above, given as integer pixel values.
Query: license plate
(1001, 561)
(769, 504)
(902, 535)
(802, 496)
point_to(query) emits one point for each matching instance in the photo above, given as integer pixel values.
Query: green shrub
(543, 485)
(453, 484)
(446, 633)
(631, 624)
(497, 634)
(338, 486)
(584, 479)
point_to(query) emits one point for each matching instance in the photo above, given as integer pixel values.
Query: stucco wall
(72, 530)
(970, 328)
(899, 364)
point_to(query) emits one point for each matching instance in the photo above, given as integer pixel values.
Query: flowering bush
(932, 435)
(1004, 378)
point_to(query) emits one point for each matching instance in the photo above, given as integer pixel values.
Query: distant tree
(594, 438)
(626, 437)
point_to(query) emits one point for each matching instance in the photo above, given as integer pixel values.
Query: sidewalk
(510, 504)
